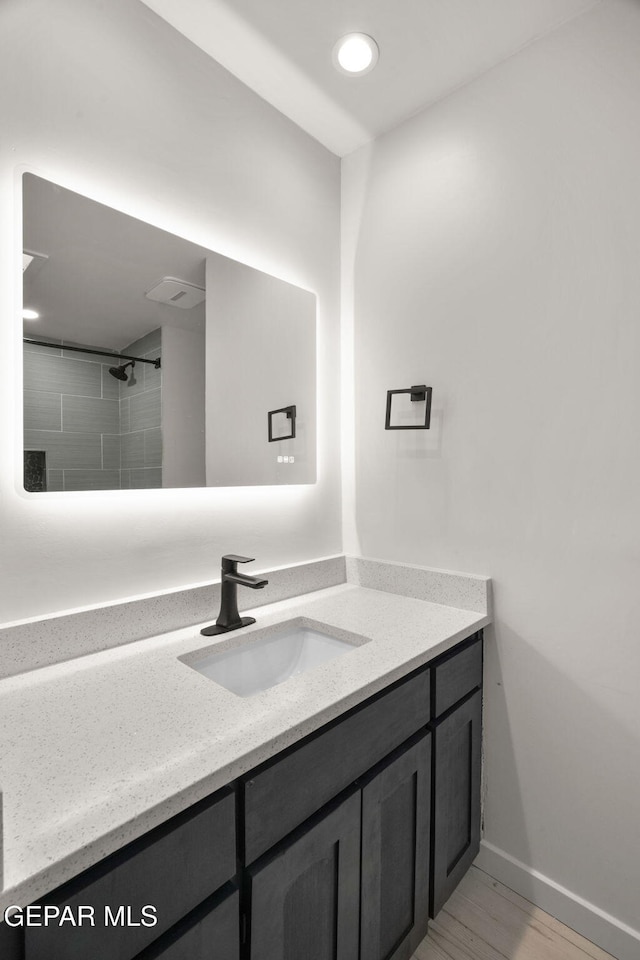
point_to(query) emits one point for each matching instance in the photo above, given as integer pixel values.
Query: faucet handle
(230, 562)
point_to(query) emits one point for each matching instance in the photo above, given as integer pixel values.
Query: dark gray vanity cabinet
(457, 757)
(317, 890)
(338, 848)
(353, 882)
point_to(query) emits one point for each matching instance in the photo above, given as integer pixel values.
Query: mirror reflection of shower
(120, 373)
(90, 423)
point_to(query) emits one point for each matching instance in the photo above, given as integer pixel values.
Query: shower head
(120, 372)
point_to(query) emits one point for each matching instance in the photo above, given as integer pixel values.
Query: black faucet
(229, 618)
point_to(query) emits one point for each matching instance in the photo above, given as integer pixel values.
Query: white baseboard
(612, 935)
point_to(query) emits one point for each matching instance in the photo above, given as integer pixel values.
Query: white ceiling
(428, 48)
(91, 288)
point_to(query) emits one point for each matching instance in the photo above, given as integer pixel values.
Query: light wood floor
(484, 920)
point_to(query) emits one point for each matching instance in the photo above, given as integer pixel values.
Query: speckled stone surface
(98, 750)
(29, 645)
(464, 590)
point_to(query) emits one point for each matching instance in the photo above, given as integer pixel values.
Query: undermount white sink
(270, 658)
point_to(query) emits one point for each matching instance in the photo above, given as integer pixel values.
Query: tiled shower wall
(87, 422)
(141, 417)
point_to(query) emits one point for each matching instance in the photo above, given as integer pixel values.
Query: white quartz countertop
(99, 750)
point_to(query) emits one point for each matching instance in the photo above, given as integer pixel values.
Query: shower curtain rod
(101, 353)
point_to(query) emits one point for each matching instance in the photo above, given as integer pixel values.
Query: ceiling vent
(176, 293)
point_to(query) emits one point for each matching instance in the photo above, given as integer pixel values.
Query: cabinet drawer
(173, 868)
(457, 676)
(212, 932)
(290, 789)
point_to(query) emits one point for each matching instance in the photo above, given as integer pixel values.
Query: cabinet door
(457, 749)
(396, 823)
(305, 897)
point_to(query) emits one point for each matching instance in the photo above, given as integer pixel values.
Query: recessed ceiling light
(355, 54)
(30, 314)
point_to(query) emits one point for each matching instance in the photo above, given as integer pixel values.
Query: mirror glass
(154, 362)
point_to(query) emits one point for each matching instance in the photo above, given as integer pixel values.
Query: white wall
(496, 242)
(107, 100)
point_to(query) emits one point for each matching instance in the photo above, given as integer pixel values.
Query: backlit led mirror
(154, 362)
